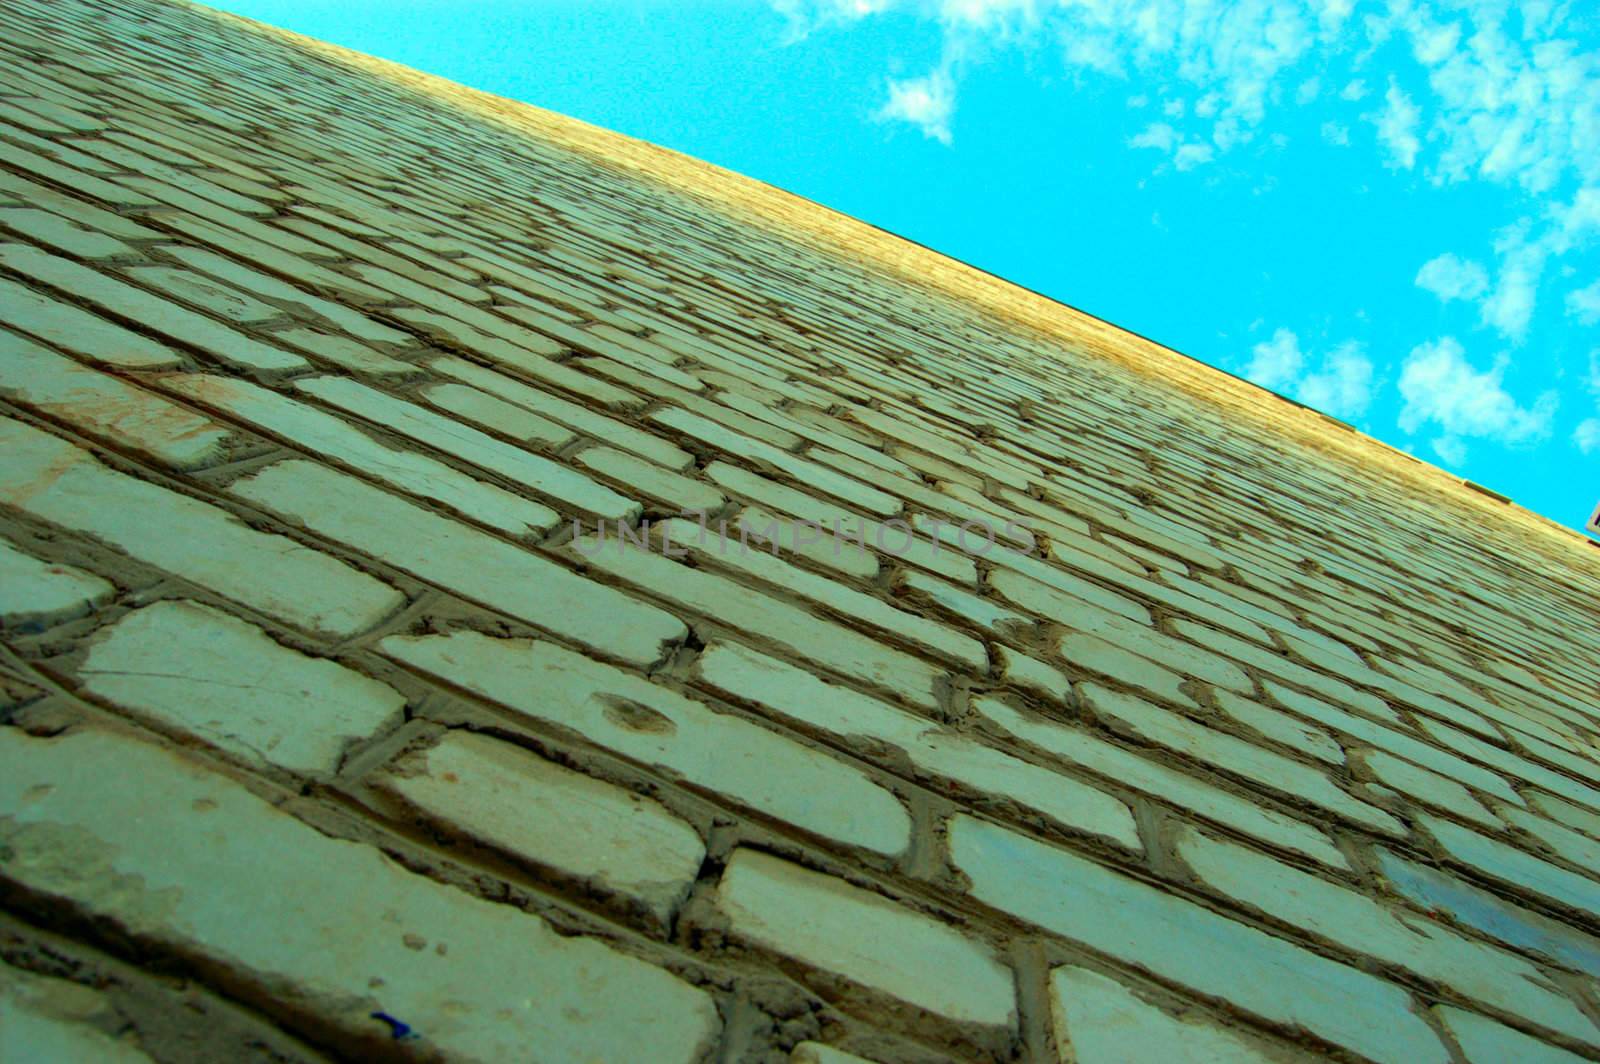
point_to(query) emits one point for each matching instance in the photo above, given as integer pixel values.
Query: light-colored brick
(1174, 654)
(343, 352)
(1079, 747)
(1096, 655)
(1429, 788)
(731, 603)
(72, 329)
(1470, 906)
(1513, 765)
(1571, 845)
(55, 481)
(107, 407)
(640, 477)
(817, 1053)
(1507, 864)
(36, 594)
(462, 559)
(547, 477)
(564, 412)
(204, 292)
(762, 527)
(1218, 749)
(655, 726)
(819, 920)
(1573, 816)
(517, 802)
(235, 688)
(497, 415)
(1280, 726)
(1492, 976)
(1097, 1020)
(1486, 1042)
(45, 1020)
(1055, 604)
(63, 234)
(1144, 926)
(328, 436)
(180, 859)
(149, 310)
(793, 694)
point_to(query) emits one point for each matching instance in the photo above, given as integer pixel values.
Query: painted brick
(461, 559)
(45, 1019)
(650, 480)
(1429, 788)
(1280, 727)
(107, 407)
(1177, 940)
(1109, 659)
(62, 234)
(1221, 750)
(148, 310)
(60, 483)
(552, 479)
(80, 332)
(1507, 864)
(497, 415)
(654, 726)
(343, 352)
(515, 801)
(1079, 747)
(177, 860)
(1571, 845)
(36, 594)
(817, 1053)
(793, 694)
(909, 956)
(1483, 1040)
(1355, 921)
(1431, 889)
(734, 605)
(323, 434)
(235, 688)
(1097, 1020)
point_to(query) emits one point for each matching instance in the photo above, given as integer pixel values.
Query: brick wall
(476, 587)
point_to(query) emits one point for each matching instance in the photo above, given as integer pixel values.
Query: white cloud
(1450, 450)
(1341, 384)
(1355, 90)
(1584, 303)
(1586, 437)
(1336, 134)
(1192, 155)
(1440, 387)
(1449, 277)
(1397, 127)
(1509, 308)
(926, 102)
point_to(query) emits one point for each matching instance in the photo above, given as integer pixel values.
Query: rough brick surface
(957, 676)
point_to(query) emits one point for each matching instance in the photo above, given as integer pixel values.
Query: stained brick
(655, 726)
(1097, 1020)
(178, 859)
(819, 919)
(1177, 940)
(58, 482)
(36, 594)
(513, 800)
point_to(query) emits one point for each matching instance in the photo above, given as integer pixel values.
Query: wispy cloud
(925, 102)
(1339, 382)
(1449, 277)
(1397, 127)
(1441, 389)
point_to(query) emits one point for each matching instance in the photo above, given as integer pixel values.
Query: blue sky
(1390, 211)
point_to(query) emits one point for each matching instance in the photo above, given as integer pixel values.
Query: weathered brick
(552, 479)
(58, 482)
(731, 603)
(909, 956)
(45, 1019)
(235, 688)
(1427, 787)
(1280, 727)
(650, 480)
(1482, 1039)
(1352, 920)
(817, 1053)
(1056, 604)
(1097, 1020)
(343, 352)
(1109, 659)
(322, 434)
(497, 415)
(107, 407)
(462, 559)
(1507, 864)
(209, 295)
(1079, 747)
(36, 594)
(515, 801)
(1434, 890)
(1571, 845)
(177, 860)
(1144, 926)
(62, 234)
(793, 694)
(1218, 749)
(652, 725)
(78, 331)
(149, 310)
